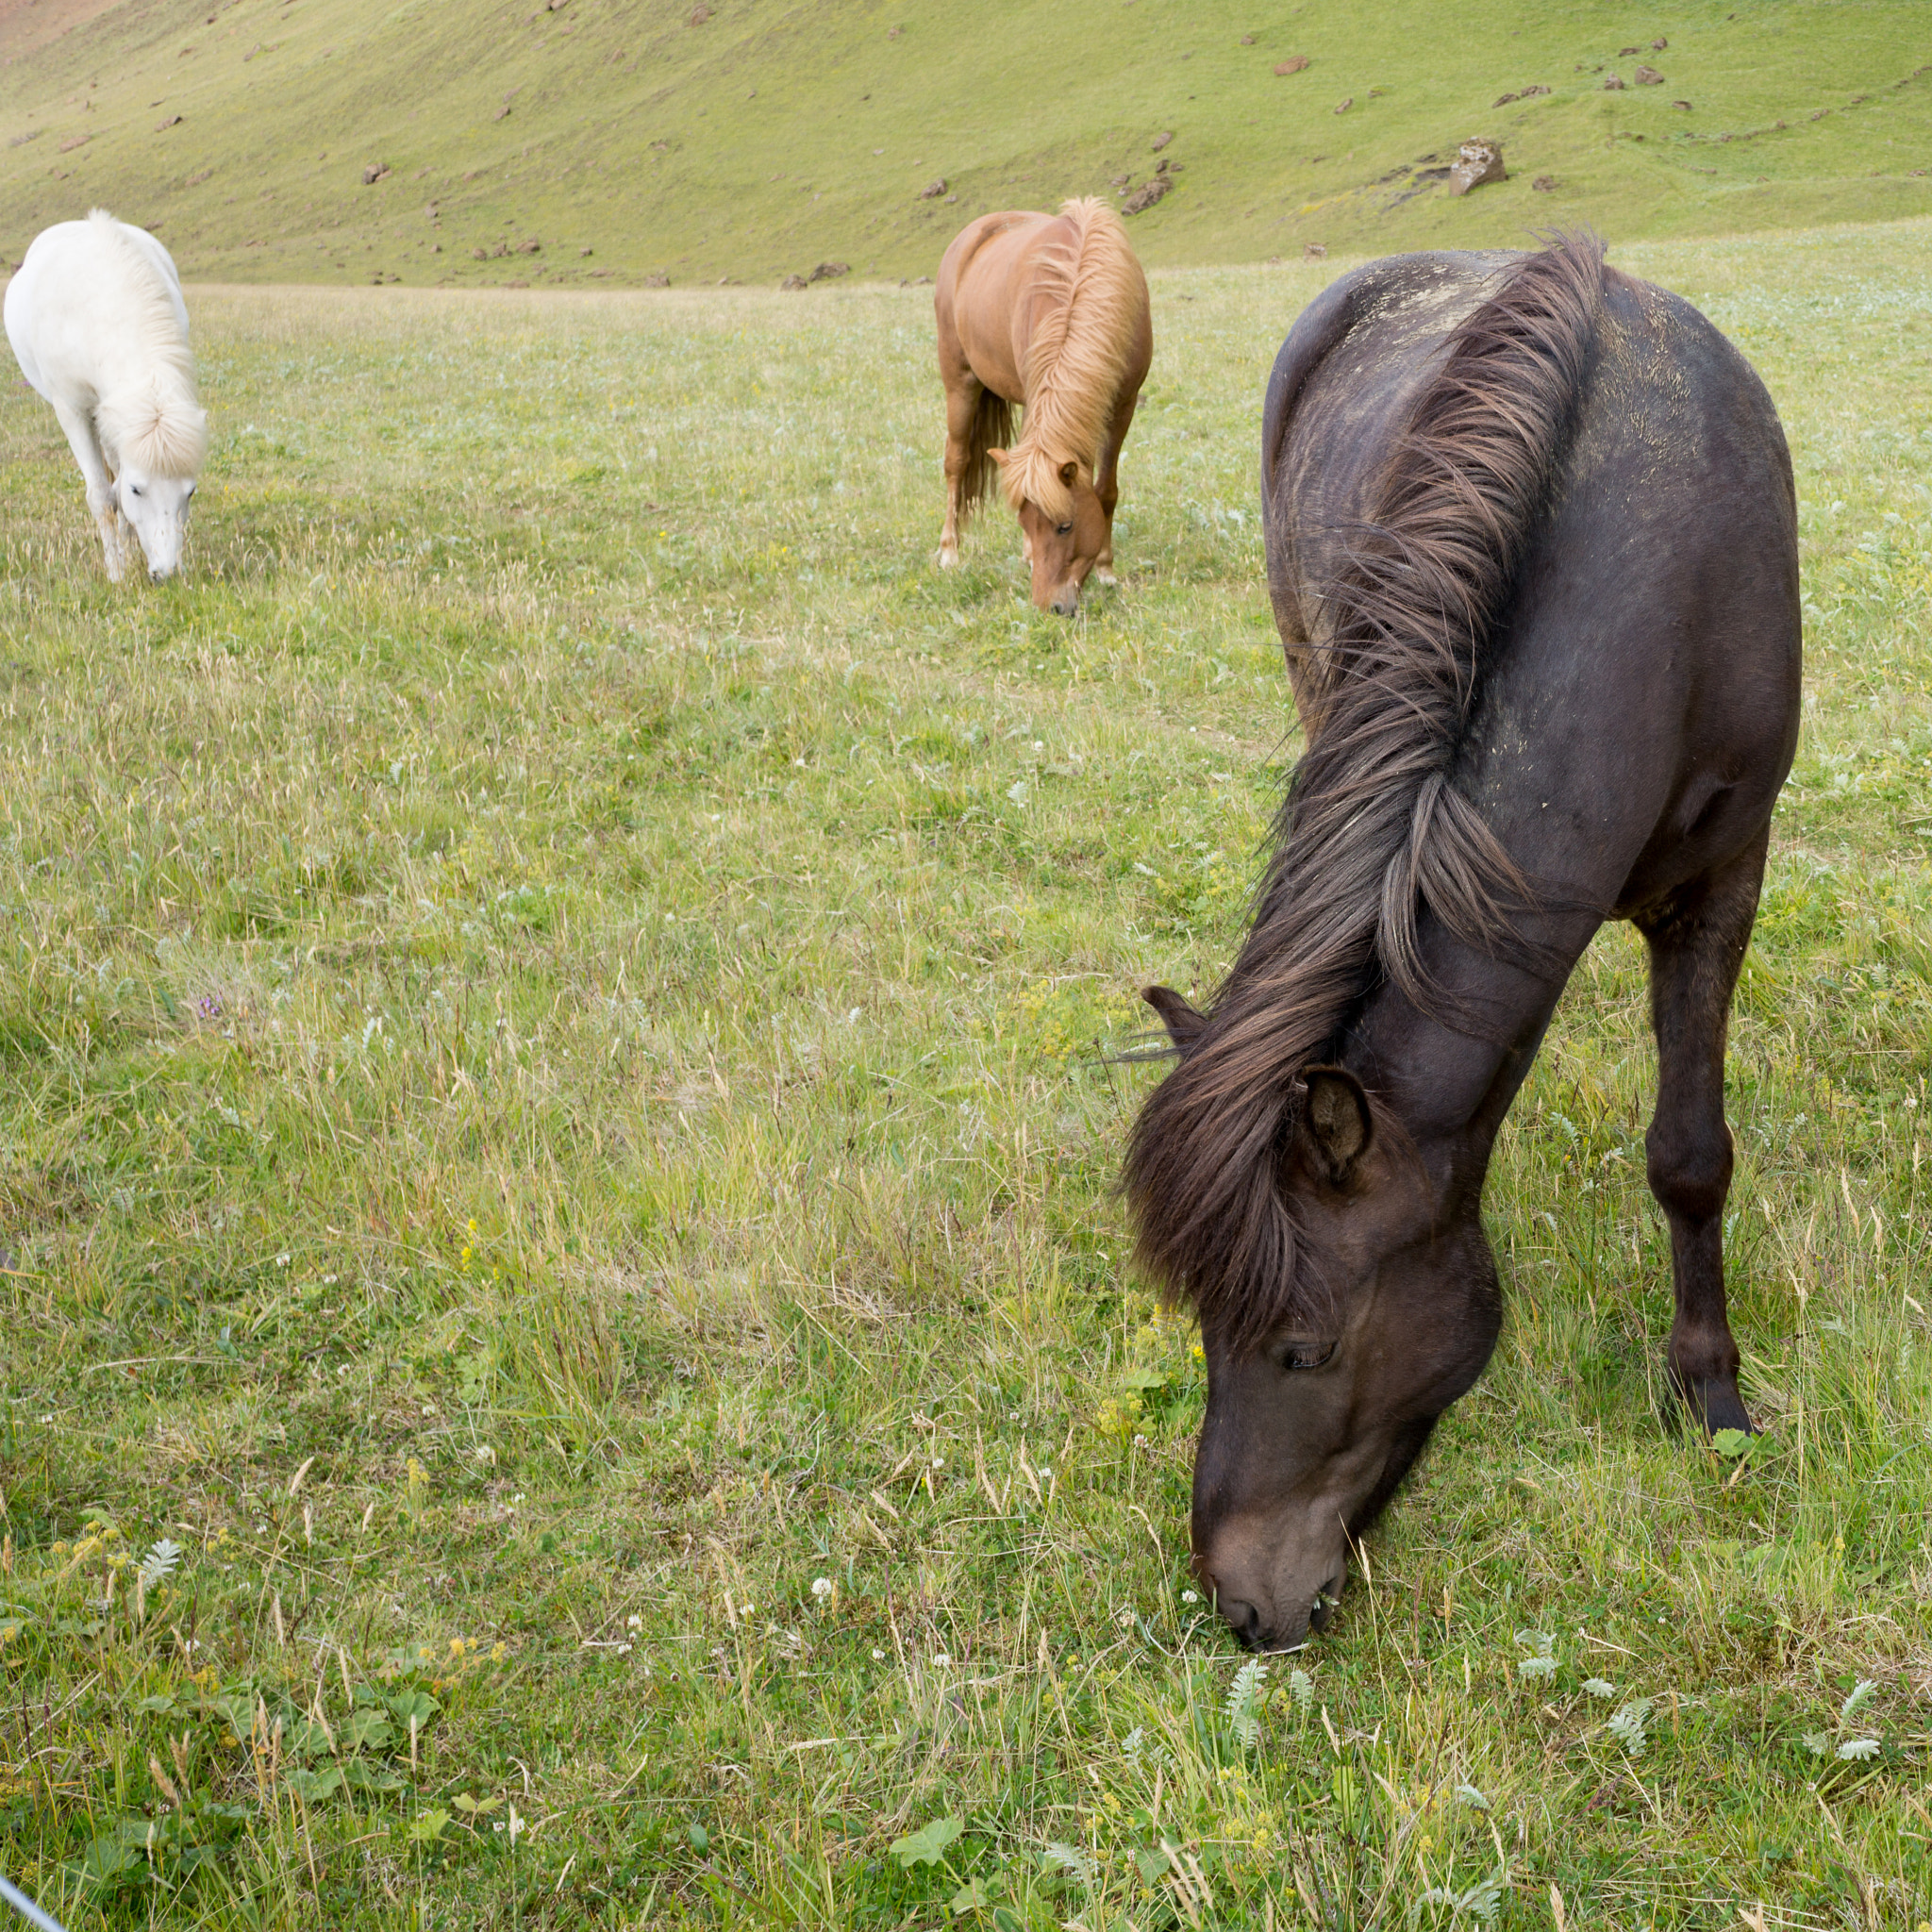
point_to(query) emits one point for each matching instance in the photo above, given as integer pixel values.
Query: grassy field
(568, 1357)
(565, 142)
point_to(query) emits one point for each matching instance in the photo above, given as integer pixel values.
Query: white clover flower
(1191, 1596)
(633, 1622)
(878, 1656)
(821, 1587)
(941, 1661)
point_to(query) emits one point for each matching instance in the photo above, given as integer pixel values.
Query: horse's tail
(993, 428)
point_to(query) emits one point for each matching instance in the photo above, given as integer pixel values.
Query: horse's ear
(1068, 471)
(1336, 1115)
(1001, 457)
(1183, 1022)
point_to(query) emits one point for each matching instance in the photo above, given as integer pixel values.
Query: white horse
(96, 318)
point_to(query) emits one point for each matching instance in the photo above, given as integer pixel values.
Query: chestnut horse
(1532, 545)
(1049, 311)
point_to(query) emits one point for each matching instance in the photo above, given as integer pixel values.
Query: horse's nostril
(1243, 1618)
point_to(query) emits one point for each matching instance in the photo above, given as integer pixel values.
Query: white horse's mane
(157, 423)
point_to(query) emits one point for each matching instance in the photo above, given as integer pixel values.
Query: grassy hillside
(551, 1145)
(771, 135)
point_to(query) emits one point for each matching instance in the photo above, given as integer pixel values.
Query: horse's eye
(135, 488)
(1062, 529)
(1307, 1354)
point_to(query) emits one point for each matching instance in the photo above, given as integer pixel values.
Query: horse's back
(1641, 652)
(1345, 382)
(80, 286)
(978, 295)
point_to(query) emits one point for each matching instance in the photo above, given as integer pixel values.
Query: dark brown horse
(1049, 311)
(1532, 547)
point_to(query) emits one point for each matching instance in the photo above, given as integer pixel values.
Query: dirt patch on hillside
(27, 24)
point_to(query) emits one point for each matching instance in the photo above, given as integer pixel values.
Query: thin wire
(27, 1908)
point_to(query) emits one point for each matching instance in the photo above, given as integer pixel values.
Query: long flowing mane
(155, 422)
(1089, 304)
(1372, 830)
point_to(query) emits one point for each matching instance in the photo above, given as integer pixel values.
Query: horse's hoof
(1106, 578)
(1714, 1404)
(948, 558)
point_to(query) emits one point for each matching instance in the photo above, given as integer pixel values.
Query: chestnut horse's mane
(1372, 830)
(1088, 304)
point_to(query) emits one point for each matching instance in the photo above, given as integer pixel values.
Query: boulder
(658, 280)
(792, 282)
(1315, 251)
(1544, 184)
(933, 190)
(1477, 162)
(1648, 76)
(1613, 83)
(374, 172)
(1293, 64)
(1346, 105)
(1160, 141)
(1146, 194)
(829, 271)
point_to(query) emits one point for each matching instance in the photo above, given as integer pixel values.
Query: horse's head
(156, 508)
(1063, 526)
(155, 435)
(1312, 1424)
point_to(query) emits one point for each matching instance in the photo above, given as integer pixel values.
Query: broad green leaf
(414, 1704)
(927, 1845)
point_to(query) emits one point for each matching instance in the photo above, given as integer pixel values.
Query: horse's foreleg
(1696, 949)
(1106, 484)
(100, 486)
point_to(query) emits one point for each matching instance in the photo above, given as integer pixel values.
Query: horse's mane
(155, 422)
(1372, 830)
(1089, 300)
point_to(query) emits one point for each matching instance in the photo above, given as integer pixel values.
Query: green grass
(778, 135)
(549, 995)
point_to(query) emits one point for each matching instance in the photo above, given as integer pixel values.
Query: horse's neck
(133, 372)
(1448, 1075)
